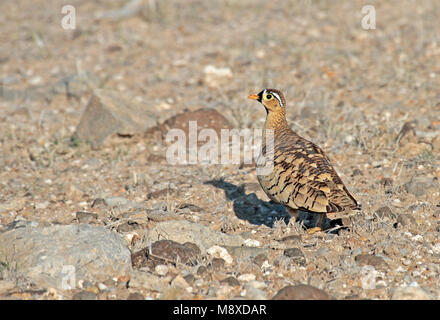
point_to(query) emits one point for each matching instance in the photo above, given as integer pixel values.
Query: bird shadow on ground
(249, 207)
(255, 211)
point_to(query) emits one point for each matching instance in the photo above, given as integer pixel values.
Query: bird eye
(268, 96)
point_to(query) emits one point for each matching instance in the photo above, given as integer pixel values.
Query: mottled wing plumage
(303, 177)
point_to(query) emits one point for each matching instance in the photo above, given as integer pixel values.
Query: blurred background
(370, 98)
(161, 52)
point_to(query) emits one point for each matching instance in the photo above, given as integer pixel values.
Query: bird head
(272, 100)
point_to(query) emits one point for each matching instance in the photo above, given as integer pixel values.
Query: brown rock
(189, 278)
(294, 238)
(202, 270)
(168, 251)
(217, 264)
(139, 258)
(135, 296)
(86, 217)
(386, 182)
(206, 119)
(301, 292)
(371, 260)
(231, 281)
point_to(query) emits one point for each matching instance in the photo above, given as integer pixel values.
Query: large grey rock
(61, 255)
(107, 113)
(184, 231)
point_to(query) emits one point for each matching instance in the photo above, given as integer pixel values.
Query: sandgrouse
(302, 176)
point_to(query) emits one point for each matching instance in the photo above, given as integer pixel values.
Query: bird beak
(254, 97)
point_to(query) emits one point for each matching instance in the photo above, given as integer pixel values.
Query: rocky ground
(90, 208)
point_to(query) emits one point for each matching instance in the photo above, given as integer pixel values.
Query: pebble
(368, 280)
(220, 72)
(292, 238)
(224, 291)
(179, 281)
(419, 186)
(42, 205)
(260, 259)
(220, 252)
(246, 277)
(283, 262)
(371, 260)
(6, 285)
(252, 243)
(436, 248)
(202, 270)
(85, 217)
(161, 269)
(102, 287)
(171, 251)
(231, 281)
(189, 278)
(217, 264)
(406, 219)
(212, 292)
(161, 205)
(116, 201)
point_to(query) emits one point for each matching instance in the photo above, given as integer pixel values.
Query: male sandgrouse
(302, 176)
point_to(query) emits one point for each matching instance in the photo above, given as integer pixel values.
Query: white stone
(161, 269)
(220, 252)
(252, 243)
(219, 72)
(102, 287)
(246, 277)
(42, 205)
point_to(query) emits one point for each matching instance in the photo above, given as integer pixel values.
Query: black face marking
(270, 94)
(260, 95)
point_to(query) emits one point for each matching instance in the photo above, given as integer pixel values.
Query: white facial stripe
(278, 98)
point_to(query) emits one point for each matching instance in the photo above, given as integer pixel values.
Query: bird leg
(318, 226)
(293, 214)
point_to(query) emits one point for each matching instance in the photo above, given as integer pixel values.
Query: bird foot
(314, 230)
